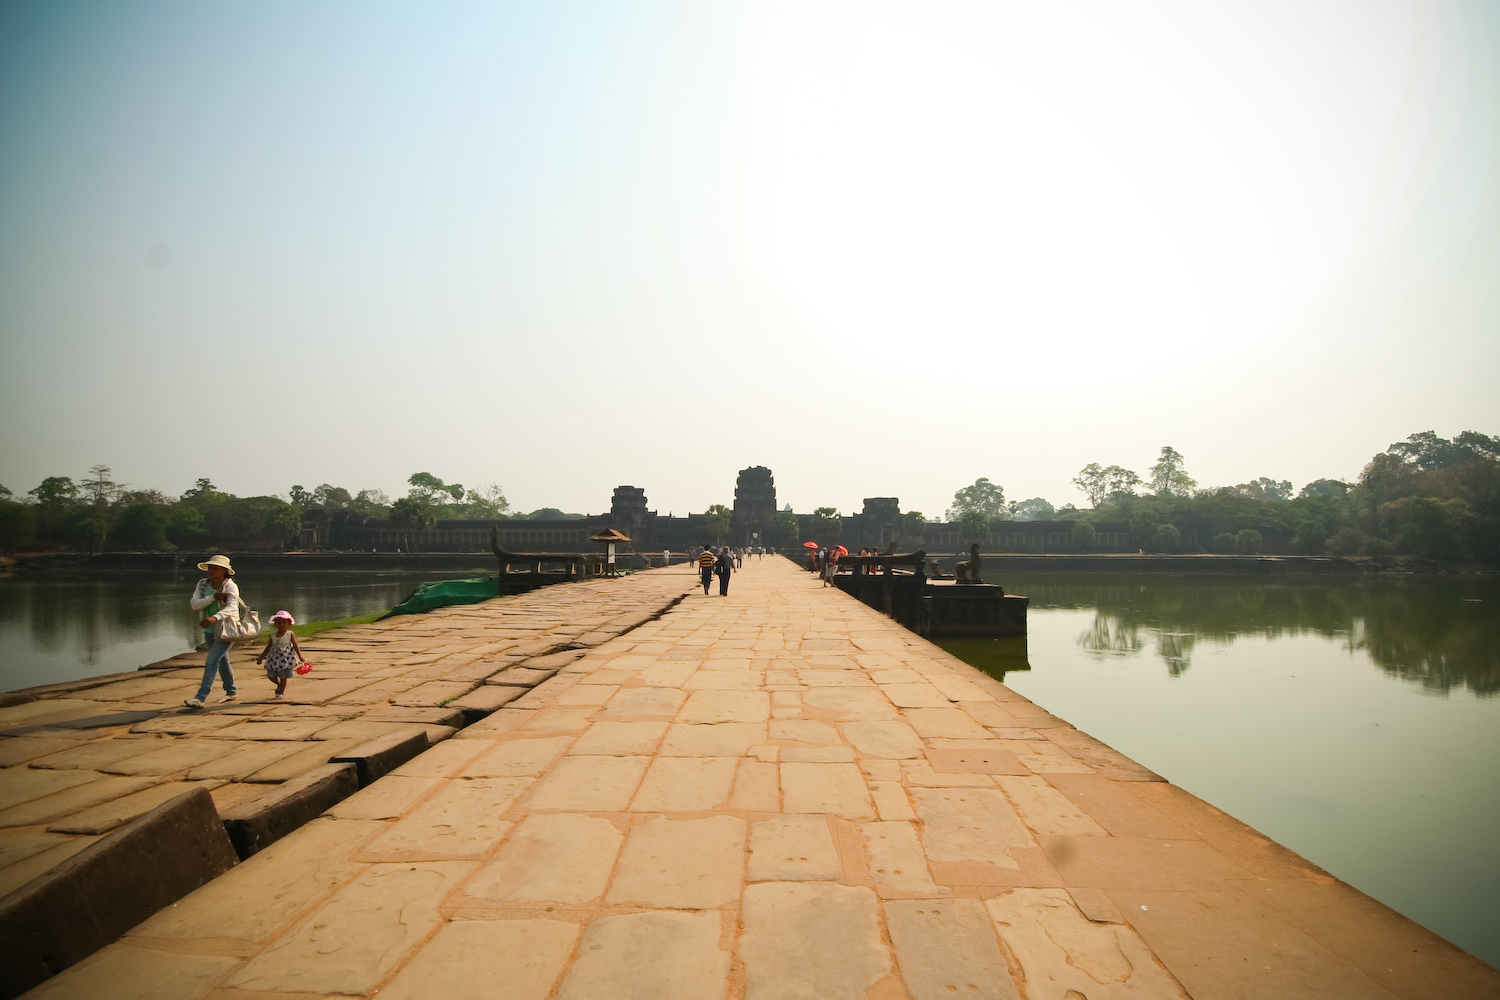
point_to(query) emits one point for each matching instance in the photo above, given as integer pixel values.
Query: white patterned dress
(282, 658)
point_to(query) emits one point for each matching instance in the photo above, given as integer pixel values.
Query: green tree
(1143, 528)
(982, 497)
(1099, 483)
(914, 526)
(1035, 509)
(826, 525)
(717, 520)
(487, 503)
(54, 491)
(1324, 488)
(326, 496)
(1223, 542)
(412, 514)
(1169, 478)
(17, 526)
(785, 529)
(1248, 542)
(371, 502)
(426, 486)
(1346, 542)
(1267, 489)
(1084, 536)
(203, 490)
(975, 526)
(1167, 538)
(302, 498)
(1311, 537)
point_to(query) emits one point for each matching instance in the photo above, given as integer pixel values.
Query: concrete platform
(777, 794)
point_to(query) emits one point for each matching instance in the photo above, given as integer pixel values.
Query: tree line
(94, 512)
(1426, 496)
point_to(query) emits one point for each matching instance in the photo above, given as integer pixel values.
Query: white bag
(242, 629)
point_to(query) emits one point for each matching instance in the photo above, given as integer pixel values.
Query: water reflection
(1437, 633)
(57, 627)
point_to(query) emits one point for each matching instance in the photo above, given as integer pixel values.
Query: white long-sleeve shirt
(203, 596)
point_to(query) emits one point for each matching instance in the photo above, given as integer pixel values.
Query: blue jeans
(218, 663)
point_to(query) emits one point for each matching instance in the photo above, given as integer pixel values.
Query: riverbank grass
(306, 630)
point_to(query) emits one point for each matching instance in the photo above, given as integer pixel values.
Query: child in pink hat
(282, 654)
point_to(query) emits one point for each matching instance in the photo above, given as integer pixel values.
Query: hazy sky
(882, 248)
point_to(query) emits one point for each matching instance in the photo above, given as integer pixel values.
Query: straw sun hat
(218, 561)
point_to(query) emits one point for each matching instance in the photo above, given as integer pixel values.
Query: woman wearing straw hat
(216, 596)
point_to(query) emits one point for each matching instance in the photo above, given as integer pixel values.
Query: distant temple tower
(882, 520)
(627, 512)
(754, 506)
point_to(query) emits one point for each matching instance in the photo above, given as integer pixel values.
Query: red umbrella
(843, 551)
(810, 545)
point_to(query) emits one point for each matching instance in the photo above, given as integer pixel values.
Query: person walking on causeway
(725, 568)
(282, 655)
(706, 567)
(217, 597)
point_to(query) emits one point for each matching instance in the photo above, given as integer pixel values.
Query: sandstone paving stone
(587, 694)
(554, 857)
(315, 754)
(649, 956)
(125, 972)
(255, 729)
(22, 870)
(1406, 959)
(685, 784)
(680, 863)
(724, 739)
(355, 939)
(619, 739)
(651, 704)
(441, 761)
(521, 757)
(1046, 811)
(988, 760)
(816, 755)
(95, 754)
(21, 784)
(805, 731)
(389, 798)
(460, 820)
(1125, 863)
(255, 900)
(589, 784)
(891, 739)
(552, 720)
(793, 849)
(946, 723)
(1060, 950)
(811, 941)
(726, 706)
(757, 787)
(826, 788)
(72, 797)
(668, 674)
(897, 862)
(970, 824)
(946, 948)
(106, 816)
(915, 696)
(43, 710)
(847, 704)
(246, 759)
(21, 749)
(176, 756)
(487, 959)
(890, 801)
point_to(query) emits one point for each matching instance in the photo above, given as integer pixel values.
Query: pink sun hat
(284, 614)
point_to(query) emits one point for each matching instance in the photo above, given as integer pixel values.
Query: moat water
(1356, 722)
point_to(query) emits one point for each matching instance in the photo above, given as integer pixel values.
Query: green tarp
(441, 593)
